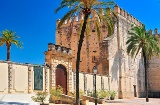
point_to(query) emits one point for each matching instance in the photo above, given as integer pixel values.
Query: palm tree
(9, 38)
(142, 41)
(87, 7)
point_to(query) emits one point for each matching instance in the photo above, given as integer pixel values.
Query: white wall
(19, 78)
(3, 77)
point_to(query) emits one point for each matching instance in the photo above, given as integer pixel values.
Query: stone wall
(125, 70)
(19, 78)
(87, 82)
(154, 73)
(4, 77)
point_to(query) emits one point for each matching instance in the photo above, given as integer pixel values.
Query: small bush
(56, 93)
(40, 97)
(112, 94)
(103, 94)
(73, 94)
(92, 94)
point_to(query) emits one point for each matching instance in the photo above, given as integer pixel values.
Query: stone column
(85, 83)
(102, 83)
(30, 80)
(10, 77)
(46, 74)
(53, 76)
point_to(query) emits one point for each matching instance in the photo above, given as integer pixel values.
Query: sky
(35, 22)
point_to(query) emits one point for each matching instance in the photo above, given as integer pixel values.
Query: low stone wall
(19, 78)
(87, 82)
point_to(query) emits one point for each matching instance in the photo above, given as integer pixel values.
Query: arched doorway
(61, 77)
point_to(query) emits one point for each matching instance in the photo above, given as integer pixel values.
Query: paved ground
(23, 99)
(135, 101)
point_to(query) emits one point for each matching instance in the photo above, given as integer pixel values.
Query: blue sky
(35, 22)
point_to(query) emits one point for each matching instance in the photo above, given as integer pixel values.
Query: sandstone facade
(154, 73)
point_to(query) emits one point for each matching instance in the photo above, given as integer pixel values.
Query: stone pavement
(25, 99)
(135, 101)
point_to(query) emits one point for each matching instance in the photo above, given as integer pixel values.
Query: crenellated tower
(68, 36)
(109, 55)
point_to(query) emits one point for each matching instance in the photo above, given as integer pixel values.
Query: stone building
(110, 56)
(116, 70)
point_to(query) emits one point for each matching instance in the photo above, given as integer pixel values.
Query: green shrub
(73, 94)
(103, 94)
(56, 93)
(112, 94)
(92, 94)
(40, 97)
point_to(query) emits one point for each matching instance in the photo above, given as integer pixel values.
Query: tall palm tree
(142, 41)
(9, 38)
(86, 7)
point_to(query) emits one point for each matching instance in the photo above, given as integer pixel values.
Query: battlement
(76, 18)
(59, 49)
(118, 10)
(126, 15)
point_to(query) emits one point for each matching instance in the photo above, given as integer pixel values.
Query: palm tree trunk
(146, 75)
(78, 57)
(8, 52)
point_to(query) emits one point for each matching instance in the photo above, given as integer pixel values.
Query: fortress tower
(126, 75)
(93, 51)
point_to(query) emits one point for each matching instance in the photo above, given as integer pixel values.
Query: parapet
(126, 15)
(93, 16)
(80, 17)
(59, 49)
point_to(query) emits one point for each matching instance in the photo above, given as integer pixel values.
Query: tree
(142, 41)
(9, 38)
(87, 7)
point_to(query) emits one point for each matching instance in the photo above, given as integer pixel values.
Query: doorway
(61, 77)
(135, 93)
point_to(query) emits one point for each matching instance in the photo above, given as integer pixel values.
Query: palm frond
(140, 39)
(10, 37)
(88, 29)
(80, 28)
(59, 8)
(98, 30)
